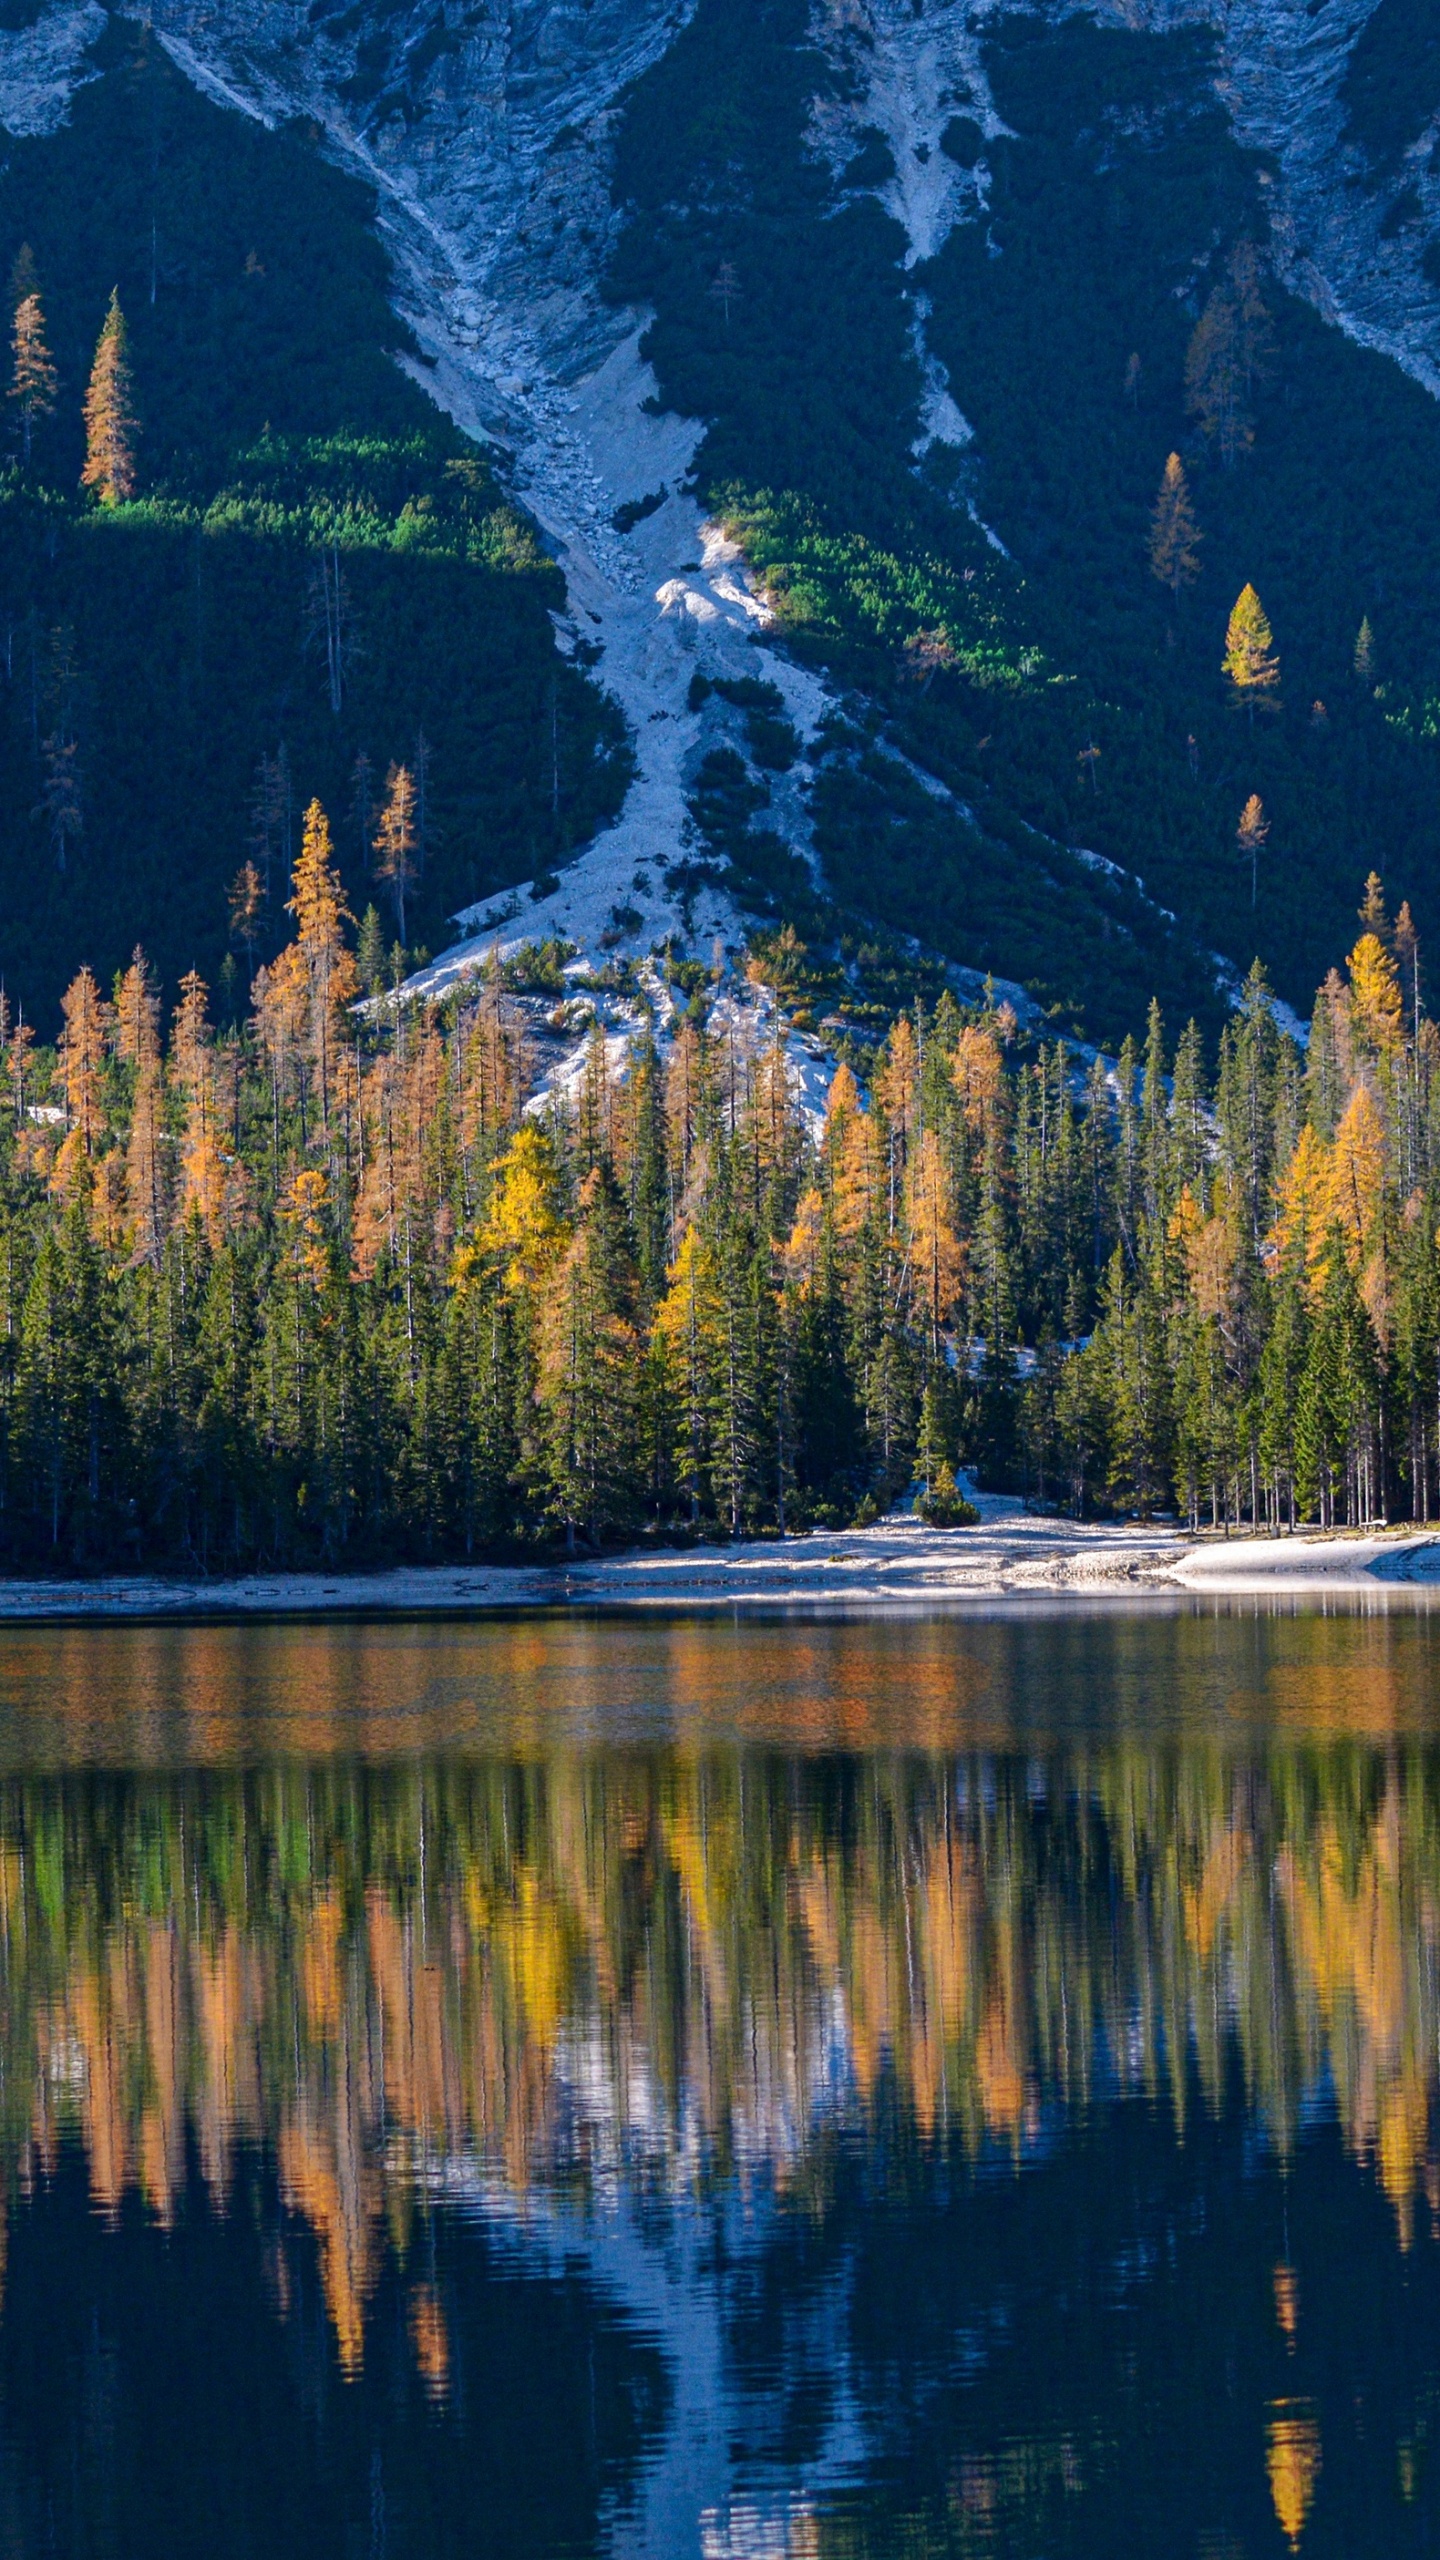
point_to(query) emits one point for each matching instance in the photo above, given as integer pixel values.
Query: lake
(758, 2089)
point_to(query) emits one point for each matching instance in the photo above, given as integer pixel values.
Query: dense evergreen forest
(1110, 301)
(308, 576)
(322, 1286)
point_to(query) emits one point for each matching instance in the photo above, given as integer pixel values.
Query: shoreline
(899, 1563)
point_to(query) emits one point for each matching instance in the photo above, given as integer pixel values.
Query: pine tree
(111, 423)
(32, 369)
(1250, 660)
(1175, 535)
(1365, 653)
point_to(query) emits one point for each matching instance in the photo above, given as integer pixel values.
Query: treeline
(339, 1283)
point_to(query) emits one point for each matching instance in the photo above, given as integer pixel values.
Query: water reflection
(996, 2038)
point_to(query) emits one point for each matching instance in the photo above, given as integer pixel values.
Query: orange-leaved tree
(1175, 535)
(32, 367)
(111, 423)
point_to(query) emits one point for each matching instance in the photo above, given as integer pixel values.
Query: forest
(342, 1279)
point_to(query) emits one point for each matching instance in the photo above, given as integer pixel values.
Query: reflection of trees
(679, 1967)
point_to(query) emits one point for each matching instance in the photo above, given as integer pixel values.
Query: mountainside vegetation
(303, 576)
(1110, 304)
(338, 1283)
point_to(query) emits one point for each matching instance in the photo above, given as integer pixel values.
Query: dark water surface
(687, 2088)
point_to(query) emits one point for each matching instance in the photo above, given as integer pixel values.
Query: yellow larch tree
(1251, 660)
(1210, 1247)
(137, 1015)
(317, 902)
(137, 1044)
(111, 424)
(396, 838)
(524, 1228)
(146, 1201)
(978, 1075)
(803, 1250)
(82, 1059)
(1357, 1175)
(1377, 1009)
(1251, 835)
(857, 1157)
(1214, 381)
(937, 1261)
(203, 1170)
(1175, 535)
(32, 368)
(897, 1085)
(1297, 1240)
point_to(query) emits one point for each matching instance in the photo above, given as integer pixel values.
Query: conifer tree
(395, 839)
(1365, 652)
(1251, 661)
(1175, 535)
(246, 903)
(1214, 378)
(1250, 835)
(111, 423)
(370, 948)
(589, 1370)
(317, 902)
(1254, 329)
(32, 368)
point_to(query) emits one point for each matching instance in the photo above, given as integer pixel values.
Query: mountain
(833, 354)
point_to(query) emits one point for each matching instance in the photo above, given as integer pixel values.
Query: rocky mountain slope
(490, 134)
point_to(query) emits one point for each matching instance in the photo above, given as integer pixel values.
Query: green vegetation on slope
(1112, 214)
(181, 637)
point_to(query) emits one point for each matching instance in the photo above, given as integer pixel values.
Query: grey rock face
(485, 127)
(1282, 69)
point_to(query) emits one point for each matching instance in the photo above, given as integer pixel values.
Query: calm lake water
(671, 2088)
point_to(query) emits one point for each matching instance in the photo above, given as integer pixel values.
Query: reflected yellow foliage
(698, 1961)
(1292, 2463)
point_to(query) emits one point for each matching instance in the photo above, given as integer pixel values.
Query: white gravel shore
(898, 1563)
